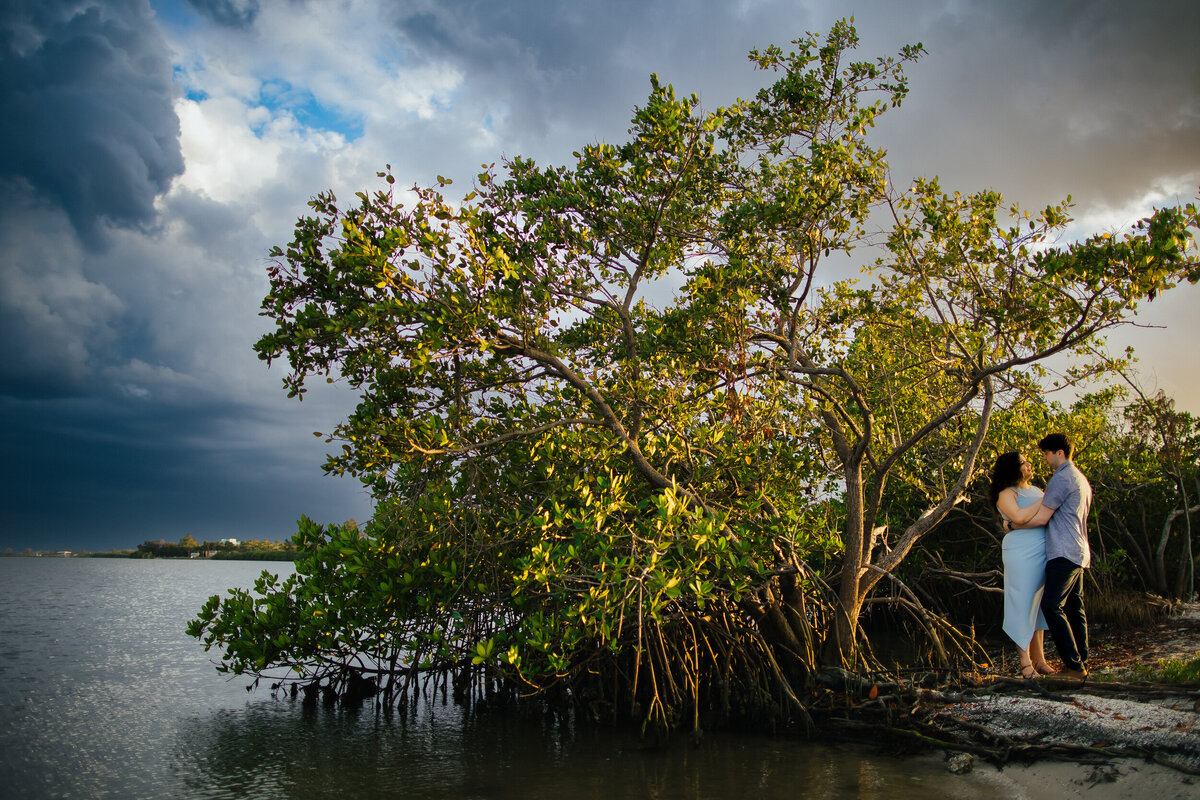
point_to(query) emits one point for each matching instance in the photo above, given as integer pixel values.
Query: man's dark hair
(1055, 442)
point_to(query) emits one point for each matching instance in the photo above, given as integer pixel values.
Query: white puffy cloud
(232, 150)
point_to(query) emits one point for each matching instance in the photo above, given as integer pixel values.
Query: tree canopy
(630, 428)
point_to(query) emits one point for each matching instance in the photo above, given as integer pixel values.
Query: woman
(1024, 560)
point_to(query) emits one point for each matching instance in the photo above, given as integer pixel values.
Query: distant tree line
(247, 550)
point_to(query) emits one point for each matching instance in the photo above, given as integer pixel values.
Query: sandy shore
(1055, 780)
(1168, 727)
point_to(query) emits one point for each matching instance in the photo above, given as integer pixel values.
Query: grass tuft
(1167, 670)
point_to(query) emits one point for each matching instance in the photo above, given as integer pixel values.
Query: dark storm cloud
(86, 115)
(88, 474)
(88, 139)
(553, 68)
(232, 13)
(1097, 98)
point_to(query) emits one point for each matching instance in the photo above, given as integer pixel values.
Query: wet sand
(1120, 780)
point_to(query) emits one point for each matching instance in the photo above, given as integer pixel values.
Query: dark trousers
(1062, 605)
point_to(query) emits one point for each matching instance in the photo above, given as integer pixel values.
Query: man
(1064, 512)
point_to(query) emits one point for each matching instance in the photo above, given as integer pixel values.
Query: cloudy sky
(152, 152)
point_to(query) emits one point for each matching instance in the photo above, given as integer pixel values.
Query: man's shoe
(1072, 674)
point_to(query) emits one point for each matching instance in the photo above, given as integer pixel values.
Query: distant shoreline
(226, 555)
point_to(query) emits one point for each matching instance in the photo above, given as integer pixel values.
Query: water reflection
(276, 749)
(102, 695)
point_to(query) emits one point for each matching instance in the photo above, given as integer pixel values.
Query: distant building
(233, 542)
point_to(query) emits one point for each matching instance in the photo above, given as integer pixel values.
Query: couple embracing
(1045, 554)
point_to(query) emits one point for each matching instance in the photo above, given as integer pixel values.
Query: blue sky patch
(175, 14)
(281, 97)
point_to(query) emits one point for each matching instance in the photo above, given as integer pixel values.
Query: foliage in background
(1136, 451)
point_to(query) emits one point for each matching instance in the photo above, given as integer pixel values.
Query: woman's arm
(1007, 503)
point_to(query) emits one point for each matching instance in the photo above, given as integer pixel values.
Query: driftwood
(976, 580)
(997, 748)
(1133, 691)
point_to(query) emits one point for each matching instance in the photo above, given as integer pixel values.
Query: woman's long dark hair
(1006, 473)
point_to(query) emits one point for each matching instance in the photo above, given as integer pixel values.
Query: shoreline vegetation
(187, 548)
(224, 549)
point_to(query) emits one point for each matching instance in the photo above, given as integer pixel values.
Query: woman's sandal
(1029, 672)
(1044, 668)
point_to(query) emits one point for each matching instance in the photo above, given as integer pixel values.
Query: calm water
(103, 695)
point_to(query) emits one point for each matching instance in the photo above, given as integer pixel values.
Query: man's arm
(1051, 500)
(1039, 519)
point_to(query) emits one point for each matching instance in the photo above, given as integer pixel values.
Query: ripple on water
(105, 696)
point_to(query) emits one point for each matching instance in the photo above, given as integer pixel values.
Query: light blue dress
(1024, 576)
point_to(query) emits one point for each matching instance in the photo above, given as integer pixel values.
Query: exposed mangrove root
(939, 631)
(1039, 687)
(1146, 691)
(715, 670)
(753, 662)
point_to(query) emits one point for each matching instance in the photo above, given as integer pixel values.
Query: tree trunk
(845, 637)
(1187, 546)
(1162, 583)
(1185, 586)
(1142, 562)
